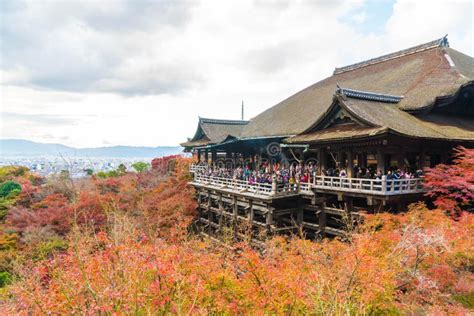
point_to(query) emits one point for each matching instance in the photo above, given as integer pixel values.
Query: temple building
(403, 111)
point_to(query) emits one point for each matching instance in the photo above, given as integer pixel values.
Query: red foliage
(164, 165)
(452, 187)
(53, 211)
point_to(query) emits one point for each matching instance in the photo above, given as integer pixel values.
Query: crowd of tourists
(265, 173)
(299, 172)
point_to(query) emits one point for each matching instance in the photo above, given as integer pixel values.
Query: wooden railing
(382, 186)
(197, 168)
(266, 189)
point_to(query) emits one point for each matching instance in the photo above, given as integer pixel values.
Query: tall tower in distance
(242, 110)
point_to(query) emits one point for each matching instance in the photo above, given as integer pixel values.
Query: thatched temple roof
(394, 92)
(213, 131)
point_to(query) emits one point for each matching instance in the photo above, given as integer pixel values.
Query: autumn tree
(452, 186)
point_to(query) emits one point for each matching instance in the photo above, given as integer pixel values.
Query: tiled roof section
(225, 122)
(441, 42)
(371, 96)
(213, 131)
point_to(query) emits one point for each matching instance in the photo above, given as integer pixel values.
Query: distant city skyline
(103, 73)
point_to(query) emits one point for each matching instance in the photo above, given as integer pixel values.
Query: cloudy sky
(95, 73)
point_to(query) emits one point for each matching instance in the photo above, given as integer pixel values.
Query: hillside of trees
(122, 244)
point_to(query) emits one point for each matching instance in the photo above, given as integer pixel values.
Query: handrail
(194, 168)
(382, 186)
(267, 189)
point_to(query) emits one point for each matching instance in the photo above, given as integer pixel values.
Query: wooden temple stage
(401, 112)
(324, 207)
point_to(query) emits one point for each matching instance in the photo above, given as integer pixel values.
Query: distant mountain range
(26, 148)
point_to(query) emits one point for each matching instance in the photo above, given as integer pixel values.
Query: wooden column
(380, 160)
(251, 212)
(200, 206)
(322, 220)
(206, 156)
(209, 213)
(363, 160)
(199, 155)
(300, 214)
(213, 156)
(422, 159)
(235, 209)
(269, 219)
(400, 158)
(221, 212)
(322, 157)
(340, 160)
(350, 164)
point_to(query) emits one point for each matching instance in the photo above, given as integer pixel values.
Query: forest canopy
(122, 244)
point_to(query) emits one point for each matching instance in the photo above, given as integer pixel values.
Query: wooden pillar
(274, 185)
(235, 209)
(322, 220)
(322, 157)
(400, 158)
(269, 219)
(199, 155)
(362, 160)
(213, 156)
(200, 206)
(209, 213)
(221, 212)
(380, 160)
(250, 215)
(340, 160)
(422, 159)
(350, 164)
(300, 214)
(206, 156)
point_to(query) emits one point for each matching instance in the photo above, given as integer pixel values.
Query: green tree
(89, 171)
(8, 188)
(122, 169)
(141, 166)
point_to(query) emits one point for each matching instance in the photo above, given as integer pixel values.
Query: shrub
(9, 188)
(5, 278)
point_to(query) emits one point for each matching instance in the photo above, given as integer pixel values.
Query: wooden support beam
(251, 212)
(322, 221)
(300, 213)
(221, 210)
(209, 213)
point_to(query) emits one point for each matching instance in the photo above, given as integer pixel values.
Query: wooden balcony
(384, 186)
(244, 187)
(373, 187)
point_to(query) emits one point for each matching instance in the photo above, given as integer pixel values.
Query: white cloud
(360, 17)
(141, 72)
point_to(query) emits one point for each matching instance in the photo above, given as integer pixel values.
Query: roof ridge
(371, 96)
(221, 121)
(441, 42)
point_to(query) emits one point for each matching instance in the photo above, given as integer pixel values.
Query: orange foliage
(142, 261)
